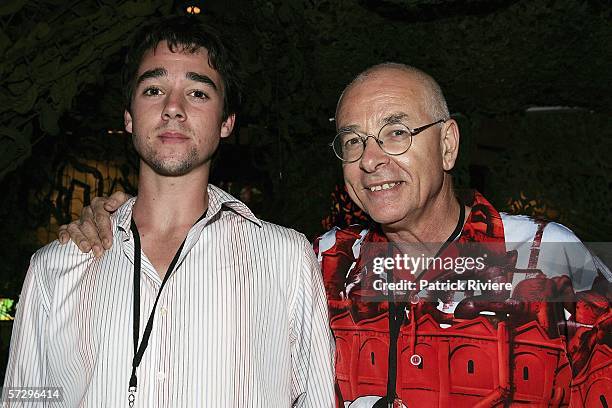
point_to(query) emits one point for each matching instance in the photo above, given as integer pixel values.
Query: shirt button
(161, 376)
(163, 311)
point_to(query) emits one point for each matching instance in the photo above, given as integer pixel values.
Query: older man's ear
(449, 144)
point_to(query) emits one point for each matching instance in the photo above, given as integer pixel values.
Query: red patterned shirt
(546, 341)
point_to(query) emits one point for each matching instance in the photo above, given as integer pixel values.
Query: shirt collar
(217, 199)
(484, 222)
(123, 217)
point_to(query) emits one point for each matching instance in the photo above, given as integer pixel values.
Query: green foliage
(6, 309)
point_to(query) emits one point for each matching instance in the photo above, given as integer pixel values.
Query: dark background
(496, 61)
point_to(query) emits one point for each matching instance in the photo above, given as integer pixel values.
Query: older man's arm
(313, 351)
(93, 230)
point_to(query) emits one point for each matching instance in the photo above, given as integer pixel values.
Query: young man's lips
(173, 137)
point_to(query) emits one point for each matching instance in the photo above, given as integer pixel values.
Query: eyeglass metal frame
(364, 138)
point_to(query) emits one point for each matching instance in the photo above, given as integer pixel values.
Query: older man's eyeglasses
(393, 138)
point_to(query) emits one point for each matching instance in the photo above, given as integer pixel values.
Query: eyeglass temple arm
(422, 128)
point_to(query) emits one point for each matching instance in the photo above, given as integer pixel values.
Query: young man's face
(176, 111)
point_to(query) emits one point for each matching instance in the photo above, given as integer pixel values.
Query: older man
(198, 303)
(534, 327)
(441, 343)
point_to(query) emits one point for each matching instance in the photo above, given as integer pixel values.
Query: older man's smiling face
(391, 189)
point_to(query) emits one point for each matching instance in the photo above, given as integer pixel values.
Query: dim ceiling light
(193, 10)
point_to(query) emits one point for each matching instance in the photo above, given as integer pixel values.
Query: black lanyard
(396, 318)
(139, 350)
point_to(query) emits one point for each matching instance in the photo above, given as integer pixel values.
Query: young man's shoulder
(282, 235)
(56, 258)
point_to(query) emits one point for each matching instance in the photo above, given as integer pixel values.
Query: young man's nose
(174, 107)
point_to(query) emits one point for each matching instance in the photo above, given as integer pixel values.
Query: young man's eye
(152, 91)
(198, 94)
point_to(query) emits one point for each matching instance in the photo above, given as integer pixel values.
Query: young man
(198, 303)
(543, 340)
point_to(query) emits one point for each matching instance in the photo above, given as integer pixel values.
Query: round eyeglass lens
(395, 138)
(348, 146)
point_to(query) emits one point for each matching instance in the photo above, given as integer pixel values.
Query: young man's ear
(228, 125)
(449, 143)
(127, 121)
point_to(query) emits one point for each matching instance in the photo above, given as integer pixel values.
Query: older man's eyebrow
(151, 73)
(194, 76)
(392, 118)
(395, 117)
(348, 128)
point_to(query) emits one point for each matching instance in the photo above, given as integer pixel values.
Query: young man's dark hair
(185, 34)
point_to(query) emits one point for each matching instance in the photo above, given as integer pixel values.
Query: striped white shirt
(241, 322)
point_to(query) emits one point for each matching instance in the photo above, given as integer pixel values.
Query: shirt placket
(163, 347)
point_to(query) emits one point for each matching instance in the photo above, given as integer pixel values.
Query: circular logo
(415, 360)
(414, 299)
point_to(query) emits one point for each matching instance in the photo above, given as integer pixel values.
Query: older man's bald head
(433, 96)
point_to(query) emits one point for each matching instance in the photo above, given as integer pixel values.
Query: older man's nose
(373, 156)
